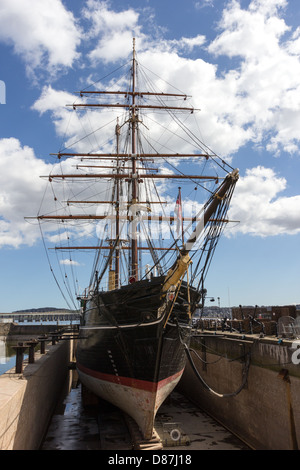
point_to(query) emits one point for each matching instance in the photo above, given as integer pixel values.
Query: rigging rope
(51, 269)
(192, 136)
(213, 233)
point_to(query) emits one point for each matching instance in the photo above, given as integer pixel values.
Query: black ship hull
(132, 352)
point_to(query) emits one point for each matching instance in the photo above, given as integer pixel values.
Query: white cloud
(24, 194)
(55, 101)
(193, 42)
(257, 101)
(250, 33)
(266, 85)
(293, 46)
(204, 3)
(176, 45)
(52, 100)
(261, 210)
(114, 30)
(79, 128)
(21, 192)
(216, 123)
(44, 33)
(69, 262)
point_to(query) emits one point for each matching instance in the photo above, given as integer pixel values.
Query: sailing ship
(136, 314)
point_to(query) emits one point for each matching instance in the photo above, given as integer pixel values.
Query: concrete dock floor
(76, 428)
(73, 427)
(198, 430)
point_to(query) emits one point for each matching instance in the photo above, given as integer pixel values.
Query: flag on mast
(178, 215)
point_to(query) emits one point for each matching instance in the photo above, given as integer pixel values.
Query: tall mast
(117, 262)
(135, 157)
(134, 251)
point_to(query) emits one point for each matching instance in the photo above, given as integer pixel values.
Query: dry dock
(43, 407)
(239, 392)
(180, 426)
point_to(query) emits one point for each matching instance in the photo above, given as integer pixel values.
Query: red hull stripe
(129, 382)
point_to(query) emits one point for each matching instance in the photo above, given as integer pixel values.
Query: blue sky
(239, 59)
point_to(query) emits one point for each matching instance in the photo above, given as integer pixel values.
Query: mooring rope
(207, 387)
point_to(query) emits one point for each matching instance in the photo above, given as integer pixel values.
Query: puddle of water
(7, 355)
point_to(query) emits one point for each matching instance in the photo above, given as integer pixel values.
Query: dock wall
(265, 413)
(27, 400)
(18, 329)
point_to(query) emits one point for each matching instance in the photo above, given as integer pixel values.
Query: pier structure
(55, 315)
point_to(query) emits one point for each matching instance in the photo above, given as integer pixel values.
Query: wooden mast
(134, 197)
(133, 176)
(117, 260)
